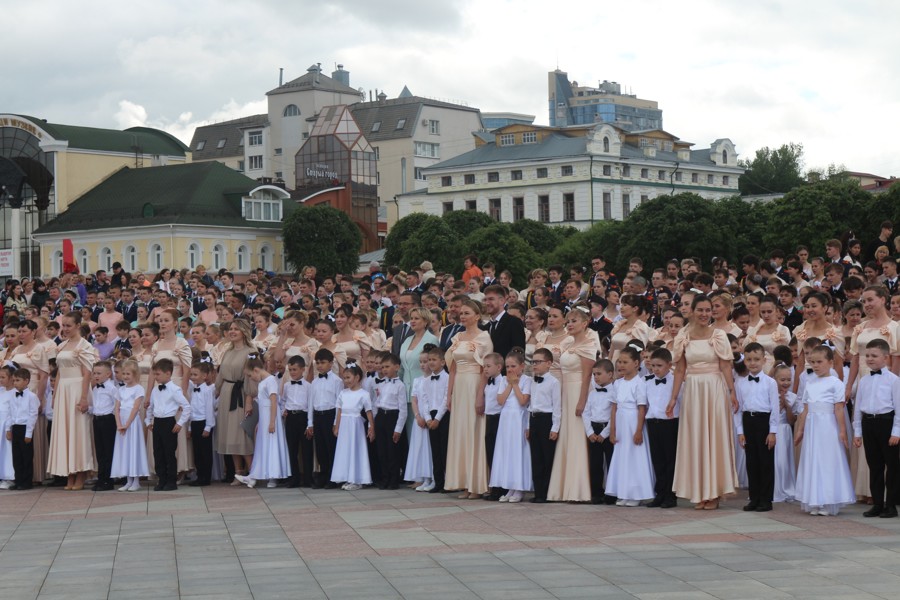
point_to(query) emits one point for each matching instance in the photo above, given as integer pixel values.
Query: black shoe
(170, 487)
(538, 501)
(57, 482)
(198, 483)
(752, 506)
(330, 485)
(876, 511)
(103, 487)
(656, 503)
(437, 490)
(158, 487)
(597, 500)
(764, 507)
(610, 500)
(316, 486)
(292, 484)
(889, 513)
(669, 503)
(393, 486)
(14, 487)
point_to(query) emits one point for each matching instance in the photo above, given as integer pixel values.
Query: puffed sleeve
(587, 349)
(837, 340)
(721, 346)
(854, 340)
(340, 357)
(894, 337)
(40, 359)
(483, 347)
(360, 338)
(641, 331)
(86, 355)
(183, 353)
(679, 344)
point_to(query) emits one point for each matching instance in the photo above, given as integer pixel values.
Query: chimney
(280, 76)
(341, 76)
(382, 96)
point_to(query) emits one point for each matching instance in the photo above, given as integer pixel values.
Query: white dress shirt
(390, 394)
(877, 394)
(324, 391)
(491, 391)
(203, 398)
(435, 392)
(757, 396)
(104, 396)
(23, 410)
(546, 397)
(598, 407)
(659, 395)
(165, 403)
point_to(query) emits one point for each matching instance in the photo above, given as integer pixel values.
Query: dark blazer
(508, 333)
(387, 319)
(556, 295)
(794, 319)
(398, 336)
(447, 335)
(130, 314)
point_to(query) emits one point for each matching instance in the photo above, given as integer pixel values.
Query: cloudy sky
(819, 73)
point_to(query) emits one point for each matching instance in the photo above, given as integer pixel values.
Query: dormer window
(376, 126)
(401, 124)
(507, 139)
(201, 144)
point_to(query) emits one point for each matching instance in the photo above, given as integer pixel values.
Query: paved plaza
(232, 542)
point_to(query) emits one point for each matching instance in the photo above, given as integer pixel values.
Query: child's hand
(396, 437)
(284, 413)
(205, 434)
(150, 427)
(638, 437)
(334, 430)
(593, 438)
(479, 408)
(309, 433)
(512, 377)
(893, 441)
(843, 437)
(27, 440)
(857, 442)
(371, 434)
(742, 440)
(272, 428)
(553, 436)
(600, 439)
(528, 435)
(9, 435)
(433, 424)
(420, 421)
(122, 430)
(798, 437)
(176, 429)
(770, 441)
(188, 434)
(612, 437)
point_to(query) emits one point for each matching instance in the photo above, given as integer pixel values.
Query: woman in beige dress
(770, 333)
(10, 342)
(233, 408)
(535, 332)
(264, 338)
(556, 334)
(293, 341)
(352, 342)
(816, 324)
(704, 463)
(632, 326)
(71, 439)
(466, 454)
(721, 314)
(570, 479)
(32, 356)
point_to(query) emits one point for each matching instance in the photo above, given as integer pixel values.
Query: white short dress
(418, 461)
(130, 451)
(270, 453)
(631, 475)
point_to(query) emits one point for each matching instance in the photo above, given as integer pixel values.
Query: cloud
(131, 114)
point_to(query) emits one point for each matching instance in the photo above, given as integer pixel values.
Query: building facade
(572, 104)
(573, 176)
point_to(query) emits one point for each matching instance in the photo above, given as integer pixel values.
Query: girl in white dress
(418, 461)
(270, 453)
(7, 473)
(785, 467)
(130, 450)
(823, 479)
(351, 457)
(630, 477)
(511, 468)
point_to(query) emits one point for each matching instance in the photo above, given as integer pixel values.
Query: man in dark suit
(386, 320)
(405, 303)
(128, 306)
(507, 332)
(453, 327)
(555, 285)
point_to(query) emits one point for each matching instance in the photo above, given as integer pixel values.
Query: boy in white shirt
(756, 425)
(166, 399)
(323, 393)
(662, 431)
(544, 422)
(596, 426)
(492, 383)
(203, 419)
(298, 429)
(103, 405)
(435, 413)
(23, 414)
(390, 421)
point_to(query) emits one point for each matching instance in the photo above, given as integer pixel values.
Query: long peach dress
(36, 361)
(466, 454)
(71, 440)
(554, 343)
(704, 463)
(570, 478)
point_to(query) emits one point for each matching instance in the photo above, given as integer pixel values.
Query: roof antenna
(280, 76)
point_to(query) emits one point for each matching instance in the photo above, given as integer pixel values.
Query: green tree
(399, 233)
(324, 237)
(499, 245)
(746, 223)
(537, 235)
(773, 171)
(464, 222)
(434, 241)
(604, 237)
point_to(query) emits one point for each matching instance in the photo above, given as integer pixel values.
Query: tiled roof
(230, 131)
(206, 193)
(145, 139)
(553, 146)
(390, 112)
(313, 81)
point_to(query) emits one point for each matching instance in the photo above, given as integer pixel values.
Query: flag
(69, 265)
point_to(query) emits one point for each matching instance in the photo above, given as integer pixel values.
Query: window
(265, 258)
(83, 261)
(542, 173)
(193, 255)
(694, 178)
(725, 179)
(106, 259)
(493, 177)
(279, 174)
(243, 258)
(470, 205)
(254, 138)
(724, 157)
(645, 173)
(130, 256)
(607, 205)
(568, 207)
(607, 170)
(667, 146)
(644, 198)
(494, 209)
(240, 166)
(529, 137)
(544, 209)
(201, 144)
(518, 208)
(661, 174)
(515, 175)
(606, 144)
(626, 170)
(678, 176)
(446, 181)
(256, 162)
(448, 207)
(278, 152)
(434, 127)
(218, 257)
(428, 150)
(419, 173)
(241, 142)
(262, 210)
(401, 123)
(469, 178)
(376, 126)
(291, 110)
(626, 205)
(507, 139)
(221, 144)
(710, 179)
(156, 257)
(57, 266)
(567, 171)
(378, 178)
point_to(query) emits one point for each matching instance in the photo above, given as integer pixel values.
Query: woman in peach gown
(570, 479)
(553, 339)
(293, 341)
(633, 325)
(31, 355)
(770, 333)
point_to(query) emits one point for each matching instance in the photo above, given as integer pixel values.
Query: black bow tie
(298, 382)
(809, 371)
(659, 381)
(20, 394)
(323, 375)
(379, 380)
(370, 374)
(752, 378)
(196, 389)
(161, 386)
(601, 389)
(538, 379)
(99, 385)
(435, 377)
(876, 372)
(491, 381)
(648, 377)
(121, 384)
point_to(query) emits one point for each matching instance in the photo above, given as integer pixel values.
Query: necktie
(20, 394)
(876, 372)
(300, 382)
(809, 371)
(538, 379)
(161, 386)
(600, 389)
(752, 378)
(492, 326)
(99, 385)
(378, 380)
(323, 375)
(196, 389)
(659, 381)
(435, 377)
(490, 381)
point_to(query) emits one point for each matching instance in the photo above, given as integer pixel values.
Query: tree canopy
(324, 237)
(772, 171)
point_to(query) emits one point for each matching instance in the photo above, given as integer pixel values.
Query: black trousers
(325, 442)
(760, 460)
(599, 457)
(104, 442)
(203, 451)
(438, 439)
(881, 457)
(663, 437)
(388, 451)
(165, 441)
(491, 425)
(542, 451)
(22, 457)
(299, 446)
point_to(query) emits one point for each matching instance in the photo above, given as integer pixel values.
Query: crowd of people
(777, 375)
